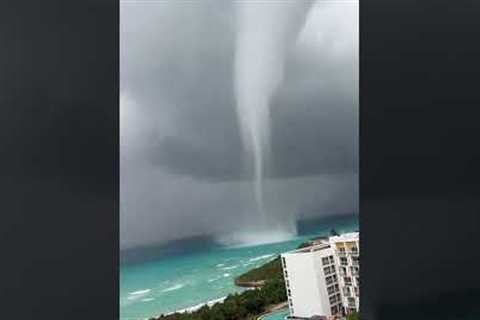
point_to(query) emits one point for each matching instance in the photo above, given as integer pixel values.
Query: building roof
(324, 243)
(314, 248)
(351, 236)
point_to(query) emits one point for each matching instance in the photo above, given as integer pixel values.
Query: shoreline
(270, 309)
(195, 307)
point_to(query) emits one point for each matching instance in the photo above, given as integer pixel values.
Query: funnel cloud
(204, 85)
(265, 31)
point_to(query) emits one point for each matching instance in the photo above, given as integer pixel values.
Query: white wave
(140, 292)
(265, 256)
(148, 299)
(230, 268)
(198, 306)
(175, 287)
(213, 279)
(135, 297)
(220, 265)
(226, 275)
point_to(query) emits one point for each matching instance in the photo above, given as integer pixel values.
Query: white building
(347, 257)
(311, 281)
(312, 277)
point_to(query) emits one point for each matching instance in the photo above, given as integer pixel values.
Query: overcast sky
(181, 152)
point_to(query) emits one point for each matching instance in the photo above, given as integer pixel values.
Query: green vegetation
(353, 316)
(269, 270)
(244, 306)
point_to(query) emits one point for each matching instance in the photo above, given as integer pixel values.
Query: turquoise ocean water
(182, 281)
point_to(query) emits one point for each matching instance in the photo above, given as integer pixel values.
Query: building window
(332, 300)
(343, 261)
(331, 289)
(334, 310)
(331, 259)
(347, 280)
(355, 261)
(325, 261)
(329, 270)
(354, 270)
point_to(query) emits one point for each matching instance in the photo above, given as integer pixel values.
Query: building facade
(347, 257)
(323, 279)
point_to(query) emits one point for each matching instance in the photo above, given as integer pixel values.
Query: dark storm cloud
(314, 132)
(179, 131)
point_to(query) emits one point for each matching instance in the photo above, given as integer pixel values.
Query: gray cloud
(182, 163)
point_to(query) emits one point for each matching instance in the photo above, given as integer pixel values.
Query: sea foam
(230, 267)
(139, 292)
(173, 288)
(265, 256)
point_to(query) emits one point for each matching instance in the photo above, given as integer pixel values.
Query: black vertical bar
(419, 159)
(59, 159)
